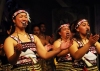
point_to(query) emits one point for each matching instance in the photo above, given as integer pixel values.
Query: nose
(24, 18)
(88, 27)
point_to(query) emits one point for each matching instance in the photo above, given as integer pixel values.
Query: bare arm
(97, 44)
(43, 52)
(9, 51)
(79, 53)
(57, 45)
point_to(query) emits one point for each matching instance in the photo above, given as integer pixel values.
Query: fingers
(95, 37)
(18, 47)
(65, 44)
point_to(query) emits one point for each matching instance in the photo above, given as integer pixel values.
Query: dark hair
(11, 21)
(57, 36)
(41, 24)
(73, 29)
(32, 27)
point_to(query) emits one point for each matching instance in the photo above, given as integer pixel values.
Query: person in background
(85, 47)
(45, 64)
(63, 60)
(43, 33)
(21, 47)
(36, 31)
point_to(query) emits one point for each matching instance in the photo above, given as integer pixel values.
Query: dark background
(53, 12)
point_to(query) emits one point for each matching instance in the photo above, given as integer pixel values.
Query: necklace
(25, 34)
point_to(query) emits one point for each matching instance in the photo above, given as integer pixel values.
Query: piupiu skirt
(64, 66)
(35, 67)
(95, 68)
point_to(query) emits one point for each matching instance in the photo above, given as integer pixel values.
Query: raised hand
(66, 44)
(93, 39)
(48, 47)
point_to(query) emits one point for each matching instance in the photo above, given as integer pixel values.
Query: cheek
(82, 30)
(18, 20)
(63, 33)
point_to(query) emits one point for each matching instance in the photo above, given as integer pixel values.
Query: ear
(77, 29)
(13, 20)
(59, 33)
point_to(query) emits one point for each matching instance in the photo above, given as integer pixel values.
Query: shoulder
(75, 44)
(8, 38)
(97, 43)
(8, 41)
(36, 39)
(32, 35)
(48, 37)
(57, 43)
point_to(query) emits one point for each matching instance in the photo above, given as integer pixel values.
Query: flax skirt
(67, 66)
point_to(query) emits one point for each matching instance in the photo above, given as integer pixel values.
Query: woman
(21, 47)
(63, 61)
(85, 47)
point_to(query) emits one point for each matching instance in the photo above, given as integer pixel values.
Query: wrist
(89, 44)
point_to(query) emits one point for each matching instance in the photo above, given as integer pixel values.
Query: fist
(18, 47)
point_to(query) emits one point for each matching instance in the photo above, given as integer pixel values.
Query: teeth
(23, 22)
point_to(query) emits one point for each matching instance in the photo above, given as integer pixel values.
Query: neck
(20, 30)
(65, 39)
(83, 37)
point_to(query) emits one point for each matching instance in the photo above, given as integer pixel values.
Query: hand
(1, 46)
(48, 47)
(66, 44)
(52, 38)
(18, 47)
(93, 39)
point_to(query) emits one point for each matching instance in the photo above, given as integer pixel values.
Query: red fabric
(85, 69)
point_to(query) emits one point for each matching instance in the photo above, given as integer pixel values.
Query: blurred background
(52, 12)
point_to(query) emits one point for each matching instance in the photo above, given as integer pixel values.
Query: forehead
(23, 13)
(65, 27)
(36, 27)
(42, 25)
(84, 23)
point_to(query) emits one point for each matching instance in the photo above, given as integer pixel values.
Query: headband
(21, 11)
(80, 22)
(63, 26)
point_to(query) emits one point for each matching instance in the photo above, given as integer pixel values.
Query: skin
(64, 38)
(42, 34)
(13, 54)
(79, 53)
(36, 31)
(42, 28)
